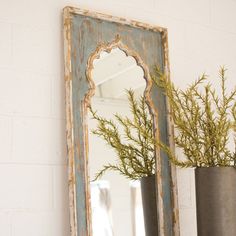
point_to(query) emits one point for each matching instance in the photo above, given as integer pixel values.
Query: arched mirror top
(107, 48)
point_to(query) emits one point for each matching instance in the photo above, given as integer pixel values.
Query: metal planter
(148, 189)
(216, 201)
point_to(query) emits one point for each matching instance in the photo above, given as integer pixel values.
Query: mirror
(116, 201)
(85, 34)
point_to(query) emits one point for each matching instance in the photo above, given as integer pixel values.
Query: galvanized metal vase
(216, 201)
(148, 189)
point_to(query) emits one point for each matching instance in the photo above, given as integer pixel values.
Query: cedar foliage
(131, 138)
(203, 121)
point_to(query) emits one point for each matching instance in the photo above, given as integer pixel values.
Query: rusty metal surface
(86, 34)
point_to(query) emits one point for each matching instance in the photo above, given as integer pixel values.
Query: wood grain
(86, 34)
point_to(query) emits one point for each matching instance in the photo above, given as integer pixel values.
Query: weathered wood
(170, 132)
(86, 35)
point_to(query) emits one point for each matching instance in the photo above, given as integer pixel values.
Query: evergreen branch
(134, 146)
(202, 120)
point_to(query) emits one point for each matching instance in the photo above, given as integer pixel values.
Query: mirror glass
(115, 200)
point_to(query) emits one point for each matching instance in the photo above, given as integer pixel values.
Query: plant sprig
(203, 121)
(131, 138)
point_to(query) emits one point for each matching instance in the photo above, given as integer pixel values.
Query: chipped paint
(171, 141)
(80, 212)
(111, 18)
(107, 47)
(69, 123)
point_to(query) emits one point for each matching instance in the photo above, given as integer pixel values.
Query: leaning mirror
(114, 112)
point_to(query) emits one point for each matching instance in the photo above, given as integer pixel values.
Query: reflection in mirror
(115, 200)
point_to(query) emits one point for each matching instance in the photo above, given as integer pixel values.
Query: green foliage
(131, 139)
(203, 121)
(203, 124)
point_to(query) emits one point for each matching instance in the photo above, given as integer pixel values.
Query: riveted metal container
(216, 201)
(148, 189)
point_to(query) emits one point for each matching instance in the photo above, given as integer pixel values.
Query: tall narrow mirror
(115, 199)
(92, 57)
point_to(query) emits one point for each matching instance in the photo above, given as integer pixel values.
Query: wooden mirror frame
(76, 124)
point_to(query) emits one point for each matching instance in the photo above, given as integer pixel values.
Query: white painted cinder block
(40, 224)
(138, 4)
(104, 6)
(206, 44)
(24, 93)
(60, 189)
(5, 139)
(35, 49)
(25, 12)
(192, 11)
(58, 98)
(25, 187)
(37, 140)
(205, 51)
(223, 15)
(5, 44)
(5, 224)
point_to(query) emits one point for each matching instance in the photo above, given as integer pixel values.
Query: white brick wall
(33, 187)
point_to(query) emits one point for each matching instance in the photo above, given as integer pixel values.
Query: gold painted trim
(69, 122)
(68, 12)
(121, 20)
(107, 47)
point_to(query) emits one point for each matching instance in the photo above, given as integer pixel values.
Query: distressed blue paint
(160, 102)
(87, 33)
